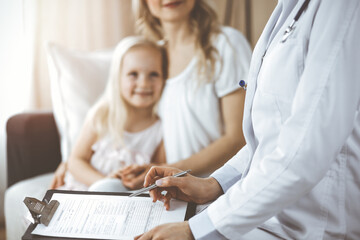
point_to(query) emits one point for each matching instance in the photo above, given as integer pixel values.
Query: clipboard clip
(42, 212)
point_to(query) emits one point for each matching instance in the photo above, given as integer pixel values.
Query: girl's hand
(59, 176)
(172, 231)
(187, 188)
(134, 170)
(133, 176)
(115, 174)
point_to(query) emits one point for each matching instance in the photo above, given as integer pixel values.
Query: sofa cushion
(77, 79)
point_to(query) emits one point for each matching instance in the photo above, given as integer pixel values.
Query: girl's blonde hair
(110, 112)
(203, 23)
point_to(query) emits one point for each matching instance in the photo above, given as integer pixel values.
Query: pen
(180, 174)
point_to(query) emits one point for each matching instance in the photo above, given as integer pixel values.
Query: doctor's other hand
(170, 231)
(187, 188)
(59, 176)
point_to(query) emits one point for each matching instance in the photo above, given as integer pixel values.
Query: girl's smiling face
(141, 77)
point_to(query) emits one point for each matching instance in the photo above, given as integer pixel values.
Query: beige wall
(249, 16)
(260, 11)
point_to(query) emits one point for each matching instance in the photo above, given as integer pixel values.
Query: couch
(33, 145)
(38, 141)
(33, 153)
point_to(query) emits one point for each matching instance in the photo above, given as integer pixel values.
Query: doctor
(298, 177)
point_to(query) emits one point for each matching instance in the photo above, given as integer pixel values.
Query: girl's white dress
(138, 148)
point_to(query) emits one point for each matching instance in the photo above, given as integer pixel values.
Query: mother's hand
(187, 188)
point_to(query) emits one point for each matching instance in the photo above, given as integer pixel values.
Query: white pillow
(77, 79)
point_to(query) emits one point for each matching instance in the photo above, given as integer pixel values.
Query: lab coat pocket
(281, 71)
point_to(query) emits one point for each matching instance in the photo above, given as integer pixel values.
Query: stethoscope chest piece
(289, 30)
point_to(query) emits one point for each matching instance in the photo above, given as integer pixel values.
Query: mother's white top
(190, 111)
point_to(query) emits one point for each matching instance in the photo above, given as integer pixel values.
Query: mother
(202, 106)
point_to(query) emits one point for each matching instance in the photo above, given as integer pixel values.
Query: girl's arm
(217, 153)
(79, 160)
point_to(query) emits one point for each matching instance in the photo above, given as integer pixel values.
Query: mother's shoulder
(230, 31)
(230, 35)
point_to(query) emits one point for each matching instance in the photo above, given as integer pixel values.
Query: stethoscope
(291, 27)
(289, 30)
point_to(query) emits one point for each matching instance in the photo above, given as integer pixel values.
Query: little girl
(122, 127)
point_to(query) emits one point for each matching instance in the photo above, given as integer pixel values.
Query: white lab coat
(301, 164)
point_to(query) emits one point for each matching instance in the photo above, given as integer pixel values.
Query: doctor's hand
(187, 188)
(59, 176)
(171, 231)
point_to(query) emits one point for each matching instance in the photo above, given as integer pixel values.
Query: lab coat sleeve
(201, 225)
(202, 228)
(232, 171)
(322, 117)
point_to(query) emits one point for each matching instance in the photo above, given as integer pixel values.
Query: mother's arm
(217, 153)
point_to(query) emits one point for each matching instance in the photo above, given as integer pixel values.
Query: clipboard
(190, 211)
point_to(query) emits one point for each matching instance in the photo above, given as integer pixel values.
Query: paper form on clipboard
(108, 216)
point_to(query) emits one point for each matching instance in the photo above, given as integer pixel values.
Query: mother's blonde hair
(203, 22)
(109, 114)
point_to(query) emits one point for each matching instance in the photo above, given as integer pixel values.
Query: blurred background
(87, 25)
